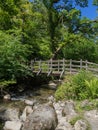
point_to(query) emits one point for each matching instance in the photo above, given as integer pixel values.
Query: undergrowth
(83, 85)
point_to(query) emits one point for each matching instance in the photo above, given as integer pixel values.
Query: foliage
(92, 87)
(5, 83)
(42, 30)
(95, 2)
(80, 86)
(80, 46)
(65, 91)
(13, 57)
(89, 104)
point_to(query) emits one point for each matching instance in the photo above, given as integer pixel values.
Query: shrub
(4, 85)
(80, 86)
(13, 57)
(64, 91)
(92, 88)
(78, 81)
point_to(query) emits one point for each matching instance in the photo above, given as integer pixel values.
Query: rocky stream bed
(37, 110)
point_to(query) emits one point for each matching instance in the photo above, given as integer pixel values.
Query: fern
(92, 87)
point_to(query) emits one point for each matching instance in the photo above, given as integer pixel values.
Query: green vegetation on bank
(83, 85)
(43, 29)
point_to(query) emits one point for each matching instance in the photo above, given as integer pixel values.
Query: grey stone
(7, 97)
(29, 102)
(26, 111)
(44, 117)
(12, 125)
(9, 114)
(69, 110)
(80, 125)
(92, 117)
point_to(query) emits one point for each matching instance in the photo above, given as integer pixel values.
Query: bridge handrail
(64, 65)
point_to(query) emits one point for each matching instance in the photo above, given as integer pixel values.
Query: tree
(54, 9)
(95, 2)
(43, 29)
(81, 48)
(13, 57)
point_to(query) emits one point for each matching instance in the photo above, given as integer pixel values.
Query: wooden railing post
(86, 65)
(81, 64)
(31, 64)
(51, 65)
(40, 65)
(48, 66)
(63, 68)
(58, 66)
(63, 64)
(70, 66)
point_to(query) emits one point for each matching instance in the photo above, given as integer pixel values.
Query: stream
(40, 94)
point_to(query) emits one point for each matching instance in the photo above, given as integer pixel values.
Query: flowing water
(38, 94)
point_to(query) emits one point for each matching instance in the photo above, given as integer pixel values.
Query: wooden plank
(70, 65)
(54, 66)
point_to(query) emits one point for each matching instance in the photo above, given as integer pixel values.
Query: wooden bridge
(61, 67)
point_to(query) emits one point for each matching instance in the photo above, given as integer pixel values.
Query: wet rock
(7, 97)
(12, 125)
(9, 114)
(29, 102)
(44, 117)
(69, 110)
(62, 121)
(59, 106)
(51, 99)
(63, 125)
(52, 85)
(80, 125)
(26, 111)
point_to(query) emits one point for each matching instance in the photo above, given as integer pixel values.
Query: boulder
(52, 85)
(9, 114)
(7, 97)
(51, 99)
(26, 111)
(80, 125)
(29, 102)
(69, 110)
(63, 125)
(92, 118)
(59, 106)
(43, 118)
(12, 125)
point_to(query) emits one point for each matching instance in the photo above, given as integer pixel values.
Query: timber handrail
(61, 67)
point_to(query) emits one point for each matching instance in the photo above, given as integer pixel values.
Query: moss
(90, 105)
(80, 117)
(75, 119)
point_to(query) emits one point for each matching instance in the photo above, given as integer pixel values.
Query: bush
(13, 57)
(92, 88)
(80, 86)
(83, 49)
(4, 85)
(78, 81)
(65, 91)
